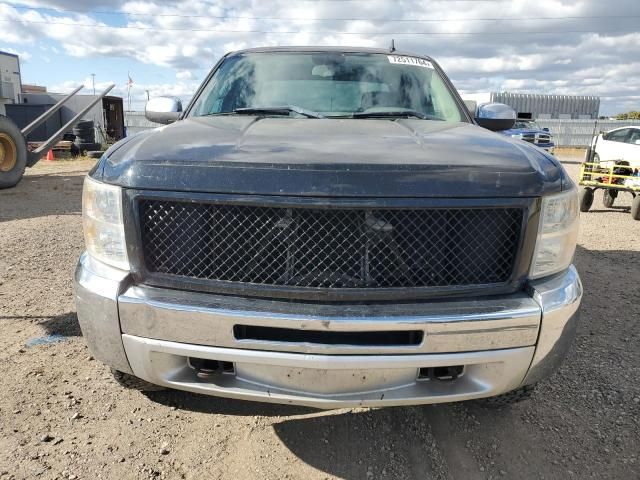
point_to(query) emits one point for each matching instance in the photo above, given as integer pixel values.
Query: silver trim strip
(205, 319)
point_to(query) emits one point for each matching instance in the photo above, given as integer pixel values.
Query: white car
(618, 144)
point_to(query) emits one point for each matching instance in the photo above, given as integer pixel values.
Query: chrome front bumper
(502, 343)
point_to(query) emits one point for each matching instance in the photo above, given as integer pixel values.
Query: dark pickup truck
(329, 227)
(529, 131)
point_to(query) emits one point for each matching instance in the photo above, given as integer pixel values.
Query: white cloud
(24, 56)
(184, 75)
(182, 89)
(187, 37)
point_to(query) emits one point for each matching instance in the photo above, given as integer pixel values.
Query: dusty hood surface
(330, 157)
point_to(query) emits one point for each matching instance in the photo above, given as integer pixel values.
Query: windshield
(329, 84)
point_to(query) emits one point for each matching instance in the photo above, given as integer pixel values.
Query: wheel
(609, 197)
(635, 208)
(84, 124)
(85, 138)
(509, 398)
(95, 154)
(74, 150)
(13, 153)
(88, 147)
(134, 383)
(586, 199)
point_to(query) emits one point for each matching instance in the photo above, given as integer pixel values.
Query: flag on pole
(129, 85)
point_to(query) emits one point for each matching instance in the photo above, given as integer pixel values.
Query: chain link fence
(135, 122)
(566, 132)
(578, 133)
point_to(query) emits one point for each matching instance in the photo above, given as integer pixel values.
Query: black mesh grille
(321, 248)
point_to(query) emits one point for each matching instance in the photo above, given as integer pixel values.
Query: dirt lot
(62, 416)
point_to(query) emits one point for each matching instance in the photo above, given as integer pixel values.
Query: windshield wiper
(283, 110)
(395, 113)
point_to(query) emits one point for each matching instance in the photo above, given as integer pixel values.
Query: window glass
(617, 135)
(333, 84)
(634, 137)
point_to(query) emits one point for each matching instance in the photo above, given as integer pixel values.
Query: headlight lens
(557, 234)
(517, 135)
(102, 223)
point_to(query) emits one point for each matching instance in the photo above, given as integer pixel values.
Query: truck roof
(384, 51)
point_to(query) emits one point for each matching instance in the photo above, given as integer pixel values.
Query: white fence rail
(566, 132)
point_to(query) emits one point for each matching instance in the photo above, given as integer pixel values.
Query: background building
(542, 106)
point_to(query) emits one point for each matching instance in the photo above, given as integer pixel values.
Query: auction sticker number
(415, 61)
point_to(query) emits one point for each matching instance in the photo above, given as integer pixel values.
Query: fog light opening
(442, 374)
(206, 368)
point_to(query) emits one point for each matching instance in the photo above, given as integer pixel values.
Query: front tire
(132, 382)
(13, 153)
(586, 199)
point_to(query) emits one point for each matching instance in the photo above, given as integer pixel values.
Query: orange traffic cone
(50, 156)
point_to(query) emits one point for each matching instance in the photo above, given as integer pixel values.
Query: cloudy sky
(588, 47)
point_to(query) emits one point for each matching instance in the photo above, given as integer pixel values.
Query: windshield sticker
(415, 61)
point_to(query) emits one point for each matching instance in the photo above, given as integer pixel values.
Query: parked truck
(329, 227)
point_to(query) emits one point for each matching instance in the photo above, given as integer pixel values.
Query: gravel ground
(62, 417)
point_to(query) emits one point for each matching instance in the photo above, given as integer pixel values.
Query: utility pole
(93, 82)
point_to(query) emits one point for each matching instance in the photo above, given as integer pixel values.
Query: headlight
(557, 234)
(517, 135)
(102, 223)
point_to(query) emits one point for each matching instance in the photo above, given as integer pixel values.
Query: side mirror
(495, 116)
(163, 110)
(545, 129)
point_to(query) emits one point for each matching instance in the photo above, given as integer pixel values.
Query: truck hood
(330, 157)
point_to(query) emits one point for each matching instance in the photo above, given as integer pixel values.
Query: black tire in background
(74, 150)
(609, 197)
(635, 207)
(586, 199)
(84, 132)
(88, 147)
(83, 140)
(83, 135)
(13, 153)
(95, 153)
(84, 124)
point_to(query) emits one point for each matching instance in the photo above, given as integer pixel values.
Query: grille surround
(148, 273)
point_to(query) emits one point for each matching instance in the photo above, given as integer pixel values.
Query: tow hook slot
(206, 369)
(442, 374)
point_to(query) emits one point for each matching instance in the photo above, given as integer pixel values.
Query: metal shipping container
(533, 105)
